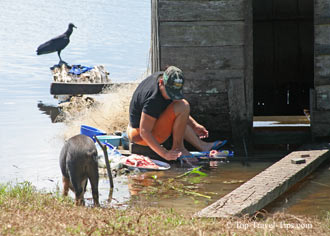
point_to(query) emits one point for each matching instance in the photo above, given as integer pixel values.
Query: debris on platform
(80, 74)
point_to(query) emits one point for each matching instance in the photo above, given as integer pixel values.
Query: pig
(78, 162)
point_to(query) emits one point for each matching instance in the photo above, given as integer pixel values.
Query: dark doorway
(283, 58)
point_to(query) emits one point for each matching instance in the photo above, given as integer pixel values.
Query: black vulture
(56, 44)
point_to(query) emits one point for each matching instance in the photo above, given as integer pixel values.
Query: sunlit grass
(25, 211)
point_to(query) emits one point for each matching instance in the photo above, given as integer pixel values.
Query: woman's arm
(199, 129)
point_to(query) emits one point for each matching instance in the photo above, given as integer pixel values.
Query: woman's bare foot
(208, 146)
(184, 151)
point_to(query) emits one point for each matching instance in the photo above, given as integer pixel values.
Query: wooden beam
(194, 59)
(322, 94)
(200, 85)
(201, 10)
(59, 88)
(322, 39)
(155, 57)
(321, 123)
(322, 11)
(212, 33)
(208, 103)
(264, 188)
(240, 123)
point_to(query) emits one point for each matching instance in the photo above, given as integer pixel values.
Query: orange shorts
(161, 131)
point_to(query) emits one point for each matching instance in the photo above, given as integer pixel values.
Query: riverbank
(25, 211)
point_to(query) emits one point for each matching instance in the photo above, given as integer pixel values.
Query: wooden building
(246, 58)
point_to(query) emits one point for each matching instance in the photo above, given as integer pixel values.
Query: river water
(113, 33)
(110, 32)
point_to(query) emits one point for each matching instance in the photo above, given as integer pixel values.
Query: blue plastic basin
(91, 131)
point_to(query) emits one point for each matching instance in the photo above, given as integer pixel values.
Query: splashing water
(110, 113)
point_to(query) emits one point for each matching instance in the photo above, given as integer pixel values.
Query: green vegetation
(183, 184)
(25, 211)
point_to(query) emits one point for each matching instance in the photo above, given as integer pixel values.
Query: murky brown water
(311, 197)
(137, 189)
(220, 180)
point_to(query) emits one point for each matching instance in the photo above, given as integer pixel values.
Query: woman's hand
(172, 155)
(201, 131)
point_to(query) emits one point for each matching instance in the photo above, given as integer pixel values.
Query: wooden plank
(320, 113)
(237, 103)
(212, 103)
(311, 109)
(322, 43)
(200, 10)
(211, 33)
(322, 94)
(59, 88)
(155, 57)
(200, 85)
(321, 80)
(321, 117)
(211, 110)
(322, 11)
(322, 69)
(248, 63)
(321, 123)
(264, 188)
(321, 49)
(218, 124)
(203, 58)
(286, 120)
(321, 130)
(206, 75)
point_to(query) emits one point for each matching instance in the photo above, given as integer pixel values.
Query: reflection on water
(51, 110)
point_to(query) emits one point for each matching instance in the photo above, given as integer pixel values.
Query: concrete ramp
(265, 187)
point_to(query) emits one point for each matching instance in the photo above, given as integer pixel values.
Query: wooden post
(104, 148)
(155, 52)
(311, 110)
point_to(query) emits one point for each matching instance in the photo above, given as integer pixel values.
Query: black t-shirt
(147, 98)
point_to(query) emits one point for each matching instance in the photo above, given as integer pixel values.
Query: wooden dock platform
(265, 187)
(61, 88)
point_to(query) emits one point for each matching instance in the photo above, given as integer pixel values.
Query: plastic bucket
(91, 131)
